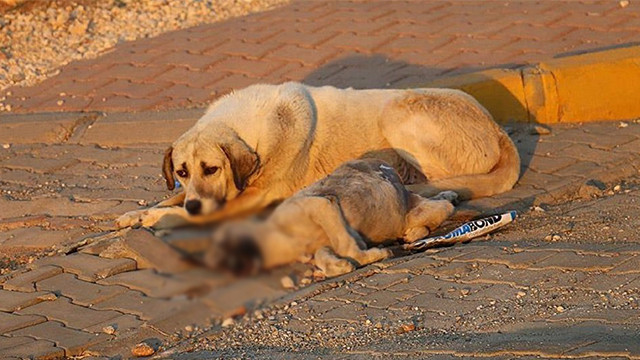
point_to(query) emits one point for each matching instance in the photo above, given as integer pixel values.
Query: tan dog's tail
(500, 179)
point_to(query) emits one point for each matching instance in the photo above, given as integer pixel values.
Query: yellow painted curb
(590, 87)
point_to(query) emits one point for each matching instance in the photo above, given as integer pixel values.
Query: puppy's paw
(450, 196)
(339, 267)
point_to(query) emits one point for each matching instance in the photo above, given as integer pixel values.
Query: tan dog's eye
(182, 173)
(211, 170)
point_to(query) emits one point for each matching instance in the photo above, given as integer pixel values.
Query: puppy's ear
(244, 162)
(167, 169)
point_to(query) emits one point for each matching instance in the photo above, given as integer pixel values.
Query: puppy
(338, 219)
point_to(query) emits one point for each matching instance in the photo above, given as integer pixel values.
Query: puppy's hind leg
(344, 240)
(425, 215)
(331, 265)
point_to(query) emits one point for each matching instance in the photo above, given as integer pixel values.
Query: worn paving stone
(148, 251)
(248, 293)
(121, 346)
(22, 347)
(10, 322)
(573, 261)
(155, 285)
(8, 342)
(11, 301)
(382, 281)
(632, 266)
(433, 303)
(80, 292)
(133, 302)
(25, 282)
(194, 314)
(124, 325)
(73, 316)
(587, 313)
(74, 342)
(87, 267)
(499, 292)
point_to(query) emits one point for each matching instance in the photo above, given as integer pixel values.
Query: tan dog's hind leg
(345, 241)
(425, 215)
(330, 264)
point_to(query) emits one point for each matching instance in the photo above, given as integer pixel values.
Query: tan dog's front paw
(158, 218)
(130, 219)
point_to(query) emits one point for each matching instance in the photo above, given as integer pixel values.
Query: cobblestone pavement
(361, 44)
(114, 289)
(65, 177)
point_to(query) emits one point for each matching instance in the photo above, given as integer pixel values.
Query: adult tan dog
(261, 144)
(336, 220)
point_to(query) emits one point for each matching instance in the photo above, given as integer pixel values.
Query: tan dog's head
(212, 167)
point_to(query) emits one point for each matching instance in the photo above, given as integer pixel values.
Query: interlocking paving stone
(147, 308)
(155, 285)
(73, 316)
(571, 260)
(27, 348)
(87, 267)
(11, 301)
(122, 324)
(10, 322)
(195, 314)
(9, 342)
(383, 281)
(148, 251)
(73, 341)
(26, 282)
(121, 346)
(247, 293)
(79, 291)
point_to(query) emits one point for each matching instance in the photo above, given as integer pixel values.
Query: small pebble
(624, 3)
(110, 329)
(287, 282)
(142, 349)
(559, 309)
(227, 322)
(404, 328)
(539, 130)
(6, 146)
(622, 124)
(617, 188)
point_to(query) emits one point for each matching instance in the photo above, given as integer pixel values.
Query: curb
(601, 86)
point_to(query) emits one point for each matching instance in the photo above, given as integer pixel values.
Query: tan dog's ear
(167, 169)
(244, 162)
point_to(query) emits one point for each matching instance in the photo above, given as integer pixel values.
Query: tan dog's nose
(193, 207)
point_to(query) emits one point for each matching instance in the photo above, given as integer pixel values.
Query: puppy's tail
(500, 179)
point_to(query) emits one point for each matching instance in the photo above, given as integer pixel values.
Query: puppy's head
(234, 248)
(212, 167)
